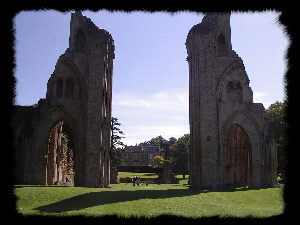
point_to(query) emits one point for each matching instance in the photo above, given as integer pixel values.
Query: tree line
(173, 150)
(276, 114)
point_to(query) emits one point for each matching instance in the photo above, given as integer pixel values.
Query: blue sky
(150, 83)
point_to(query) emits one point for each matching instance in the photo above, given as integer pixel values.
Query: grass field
(142, 175)
(126, 200)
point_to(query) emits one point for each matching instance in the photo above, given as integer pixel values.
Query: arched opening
(221, 46)
(69, 88)
(59, 88)
(80, 43)
(237, 158)
(234, 91)
(60, 156)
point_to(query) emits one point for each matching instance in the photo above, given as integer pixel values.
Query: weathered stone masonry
(59, 160)
(231, 142)
(79, 94)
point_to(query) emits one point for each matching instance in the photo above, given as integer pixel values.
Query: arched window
(234, 91)
(69, 88)
(59, 88)
(221, 46)
(80, 44)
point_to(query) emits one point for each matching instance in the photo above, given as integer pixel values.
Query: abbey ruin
(231, 141)
(78, 105)
(65, 138)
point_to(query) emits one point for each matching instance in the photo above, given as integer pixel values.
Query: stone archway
(236, 157)
(47, 123)
(60, 156)
(79, 94)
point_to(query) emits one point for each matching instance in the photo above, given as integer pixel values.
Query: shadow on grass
(150, 174)
(47, 186)
(107, 197)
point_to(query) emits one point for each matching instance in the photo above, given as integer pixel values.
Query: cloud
(172, 99)
(146, 116)
(262, 97)
(138, 134)
(259, 95)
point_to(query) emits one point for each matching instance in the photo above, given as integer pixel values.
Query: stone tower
(78, 94)
(231, 143)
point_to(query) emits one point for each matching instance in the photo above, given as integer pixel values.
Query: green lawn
(142, 175)
(126, 200)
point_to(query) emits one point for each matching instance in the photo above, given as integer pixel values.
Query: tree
(145, 143)
(116, 144)
(156, 141)
(276, 114)
(181, 150)
(174, 151)
(158, 161)
(165, 146)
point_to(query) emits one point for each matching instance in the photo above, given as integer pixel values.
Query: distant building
(139, 155)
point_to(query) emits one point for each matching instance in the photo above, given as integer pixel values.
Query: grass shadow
(47, 186)
(150, 174)
(107, 197)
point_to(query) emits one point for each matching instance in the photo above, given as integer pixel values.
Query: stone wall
(219, 99)
(114, 179)
(166, 176)
(79, 94)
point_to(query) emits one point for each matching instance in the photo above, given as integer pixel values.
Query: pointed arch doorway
(60, 156)
(237, 158)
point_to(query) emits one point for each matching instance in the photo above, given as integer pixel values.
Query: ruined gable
(79, 97)
(228, 131)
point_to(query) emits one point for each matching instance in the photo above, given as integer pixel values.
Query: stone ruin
(78, 99)
(231, 141)
(166, 176)
(59, 160)
(114, 179)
